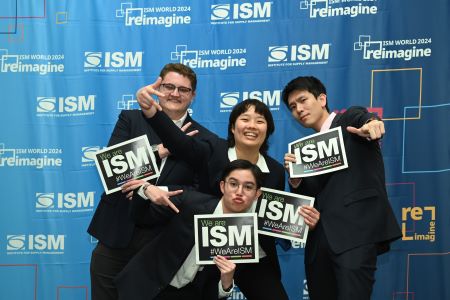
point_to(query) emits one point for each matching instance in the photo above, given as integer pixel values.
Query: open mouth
(251, 135)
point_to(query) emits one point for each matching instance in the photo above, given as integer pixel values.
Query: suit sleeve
(357, 116)
(122, 130)
(192, 150)
(282, 182)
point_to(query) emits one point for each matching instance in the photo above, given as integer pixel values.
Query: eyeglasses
(170, 88)
(234, 185)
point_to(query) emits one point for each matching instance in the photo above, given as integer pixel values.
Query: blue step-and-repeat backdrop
(69, 67)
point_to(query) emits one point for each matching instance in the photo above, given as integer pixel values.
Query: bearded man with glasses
(119, 237)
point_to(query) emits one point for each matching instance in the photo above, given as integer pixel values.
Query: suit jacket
(209, 158)
(111, 224)
(353, 204)
(153, 268)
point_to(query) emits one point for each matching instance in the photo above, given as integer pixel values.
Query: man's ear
(222, 186)
(258, 193)
(323, 100)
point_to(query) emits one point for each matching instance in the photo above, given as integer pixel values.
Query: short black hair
(242, 164)
(261, 109)
(304, 83)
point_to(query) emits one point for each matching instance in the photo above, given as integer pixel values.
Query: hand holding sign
(146, 100)
(310, 215)
(288, 159)
(372, 130)
(130, 186)
(226, 268)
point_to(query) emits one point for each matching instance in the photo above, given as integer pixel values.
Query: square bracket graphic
(401, 191)
(418, 281)
(18, 35)
(72, 292)
(24, 9)
(127, 102)
(8, 25)
(62, 17)
(22, 276)
(397, 92)
(432, 155)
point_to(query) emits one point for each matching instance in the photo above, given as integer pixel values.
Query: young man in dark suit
(356, 219)
(119, 238)
(165, 269)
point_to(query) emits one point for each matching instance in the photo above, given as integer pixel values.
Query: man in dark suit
(356, 220)
(119, 237)
(165, 269)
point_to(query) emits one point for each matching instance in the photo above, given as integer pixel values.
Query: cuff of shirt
(222, 292)
(142, 194)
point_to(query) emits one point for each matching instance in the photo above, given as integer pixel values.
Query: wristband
(145, 186)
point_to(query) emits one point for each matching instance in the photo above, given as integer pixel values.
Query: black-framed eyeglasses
(247, 187)
(170, 88)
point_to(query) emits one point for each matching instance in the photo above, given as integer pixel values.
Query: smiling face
(307, 109)
(250, 129)
(175, 104)
(239, 191)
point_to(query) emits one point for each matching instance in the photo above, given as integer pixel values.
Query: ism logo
(427, 215)
(299, 53)
(35, 242)
(269, 97)
(78, 200)
(88, 153)
(113, 59)
(69, 104)
(241, 11)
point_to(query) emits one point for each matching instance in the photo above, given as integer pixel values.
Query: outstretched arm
(373, 129)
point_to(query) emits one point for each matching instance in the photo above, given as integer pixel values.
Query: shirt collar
(327, 124)
(180, 121)
(261, 163)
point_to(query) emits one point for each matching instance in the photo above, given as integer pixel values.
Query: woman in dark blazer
(249, 128)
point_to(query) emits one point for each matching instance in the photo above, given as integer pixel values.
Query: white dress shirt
(261, 163)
